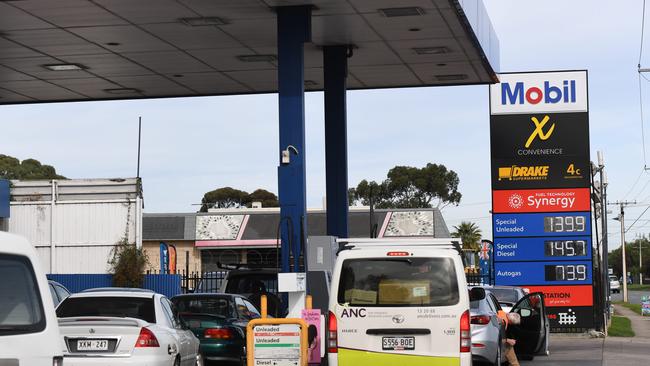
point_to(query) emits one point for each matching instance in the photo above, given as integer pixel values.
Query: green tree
(410, 187)
(228, 197)
(267, 198)
(469, 234)
(127, 264)
(614, 259)
(28, 169)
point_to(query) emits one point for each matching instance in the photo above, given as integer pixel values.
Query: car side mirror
(477, 294)
(525, 313)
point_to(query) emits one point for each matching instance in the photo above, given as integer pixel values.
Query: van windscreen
(387, 282)
(21, 307)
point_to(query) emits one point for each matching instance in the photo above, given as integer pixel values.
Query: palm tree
(469, 234)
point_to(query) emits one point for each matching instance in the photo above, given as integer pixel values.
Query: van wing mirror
(477, 294)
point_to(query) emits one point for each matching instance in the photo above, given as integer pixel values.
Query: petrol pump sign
(541, 198)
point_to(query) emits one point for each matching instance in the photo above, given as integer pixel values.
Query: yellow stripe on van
(349, 357)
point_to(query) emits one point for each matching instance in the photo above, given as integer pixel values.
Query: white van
(29, 332)
(399, 302)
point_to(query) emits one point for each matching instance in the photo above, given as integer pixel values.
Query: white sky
(191, 146)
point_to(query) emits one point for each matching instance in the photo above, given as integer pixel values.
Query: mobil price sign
(519, 93)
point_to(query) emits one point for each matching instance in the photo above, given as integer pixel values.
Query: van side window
(398, 282)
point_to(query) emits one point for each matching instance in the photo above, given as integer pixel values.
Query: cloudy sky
(194, 145)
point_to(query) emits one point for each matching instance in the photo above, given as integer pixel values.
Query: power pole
(604, 274)
(621, 218)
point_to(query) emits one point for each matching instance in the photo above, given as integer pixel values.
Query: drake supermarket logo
(520, 173)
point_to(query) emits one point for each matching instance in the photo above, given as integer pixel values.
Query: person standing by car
(513, 319)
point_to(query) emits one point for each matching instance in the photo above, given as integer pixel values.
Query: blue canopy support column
(335, 60)
(294, 29)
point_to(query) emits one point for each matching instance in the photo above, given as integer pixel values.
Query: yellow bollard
(308, 302)
(263, 306)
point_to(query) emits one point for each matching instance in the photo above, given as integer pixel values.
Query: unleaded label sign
(277, 345)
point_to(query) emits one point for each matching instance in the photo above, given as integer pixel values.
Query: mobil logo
(520, 93)
(539, 92)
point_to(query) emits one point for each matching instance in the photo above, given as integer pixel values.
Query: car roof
(104, 292)
(15, 244)
(205, 294)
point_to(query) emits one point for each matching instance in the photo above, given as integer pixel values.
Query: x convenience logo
(539, 130)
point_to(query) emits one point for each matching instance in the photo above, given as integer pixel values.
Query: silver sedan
(488, 331)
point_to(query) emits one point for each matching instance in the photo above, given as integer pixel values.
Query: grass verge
(638, 287)
(620, 327)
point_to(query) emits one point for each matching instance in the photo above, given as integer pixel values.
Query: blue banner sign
(542, 273)
(554, 248)
(542, 224)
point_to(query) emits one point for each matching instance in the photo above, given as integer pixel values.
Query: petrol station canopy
(73, 50)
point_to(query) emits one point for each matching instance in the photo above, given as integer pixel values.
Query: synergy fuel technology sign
(541, 203)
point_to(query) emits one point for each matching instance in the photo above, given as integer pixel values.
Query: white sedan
(124, 327)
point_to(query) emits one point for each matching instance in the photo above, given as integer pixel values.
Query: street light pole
(640, 264)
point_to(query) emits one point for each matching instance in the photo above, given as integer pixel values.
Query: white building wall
(83, 231)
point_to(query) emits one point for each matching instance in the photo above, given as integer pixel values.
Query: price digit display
(565, 248)
(564, 224)
(565, 272)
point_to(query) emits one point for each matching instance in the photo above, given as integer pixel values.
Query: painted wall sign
(540, 173)
(519, 93)
(541, 200)
(554, 248)
(555, 296)
(543, 273)
(542, 224)
(545, 135)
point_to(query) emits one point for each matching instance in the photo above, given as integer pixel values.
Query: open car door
(532, 333)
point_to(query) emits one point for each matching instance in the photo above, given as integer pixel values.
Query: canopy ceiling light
(64, 67)
(401, 12)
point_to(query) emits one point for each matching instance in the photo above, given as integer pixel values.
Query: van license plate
(398, 343)
(92, 345)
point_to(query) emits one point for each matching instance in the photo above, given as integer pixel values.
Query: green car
(219, 322)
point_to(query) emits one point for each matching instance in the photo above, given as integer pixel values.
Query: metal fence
(198, 281)
(166, 284)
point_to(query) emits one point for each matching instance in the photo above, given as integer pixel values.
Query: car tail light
(478, 345)
(480, 319)
(146, 339)
(398, 254)
(465, 333)
(218, 333)
(57, 361)
(332, 337)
